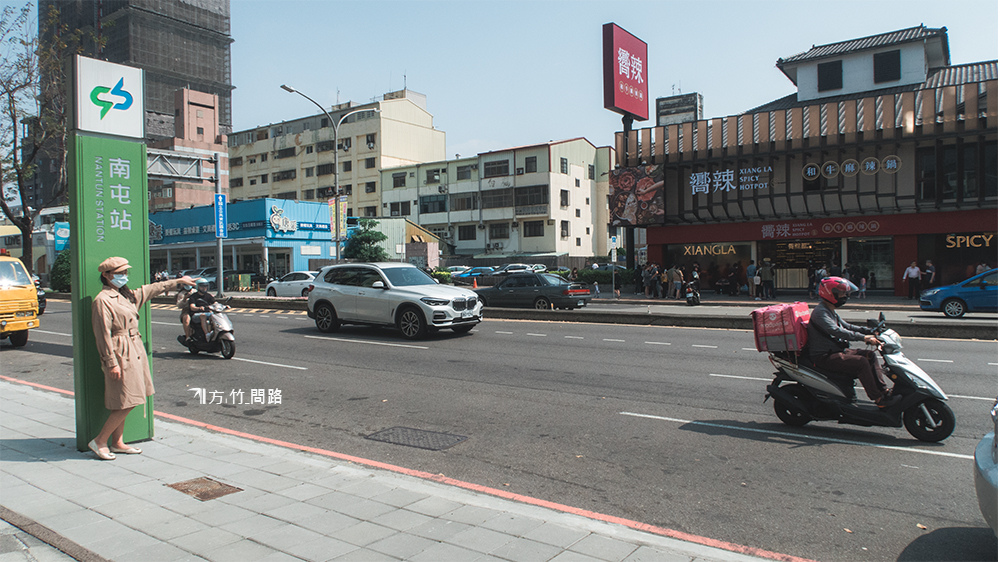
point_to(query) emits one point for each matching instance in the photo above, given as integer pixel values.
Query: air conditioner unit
(551, 221)
(520, 171)
(481, 226)
(411, 174)
(446, 235)
(371, 145)
(513, 225)
(442, 189)
(475, 166)
(497, 245)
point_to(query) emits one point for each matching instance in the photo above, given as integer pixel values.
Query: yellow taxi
(18, 301)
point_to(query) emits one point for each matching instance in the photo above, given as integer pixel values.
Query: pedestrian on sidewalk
(751, 273)
(912, 276)
(767, 279)
(127, 380)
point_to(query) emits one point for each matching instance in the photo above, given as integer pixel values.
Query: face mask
(119, 280)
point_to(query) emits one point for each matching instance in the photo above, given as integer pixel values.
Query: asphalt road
(662, 425)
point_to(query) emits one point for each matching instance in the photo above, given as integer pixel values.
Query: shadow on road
(44, 348)
(953, 544)
(811, 436)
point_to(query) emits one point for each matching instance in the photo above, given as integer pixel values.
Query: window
(563, 166)
(309, 149)
(588, 231)
(309, 194)
(534, 229)
(578, 242)
(496, 168)
(235, 182)
(348, 190)
(263, 157)
(285, 153)
(324, 122)
(324, 146)
(578, 213)
(263, 178)
(399, 179)
(463, 202)
(324, 192)
(530, 164)
(252, 160)
(285, 195)
(564, 198)
(463, 173)
(433, 204)
(324, 169)
(499, 231)
(370, 187)
(370, 140)
(347, 166)
(310, 171)
(591, 174)
(467, 232)
(399, 209)
(886, 66)
(344, 144)
(578, 182)
(534, 195)
(498, 198)
(433, 176)
(369, 163)
(201, 130)
(371, 211)
(564, 229)
(238, 161)
(253, 181)
(829, 76)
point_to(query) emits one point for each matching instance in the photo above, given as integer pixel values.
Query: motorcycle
(691, 293)
(803, 393)
(220, 337)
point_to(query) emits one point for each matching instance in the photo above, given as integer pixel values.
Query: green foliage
(602, 277)
(60, 278)
(363, 244)
(443, 277)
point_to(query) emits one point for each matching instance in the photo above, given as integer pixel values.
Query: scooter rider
(829, 337)
(199, 302)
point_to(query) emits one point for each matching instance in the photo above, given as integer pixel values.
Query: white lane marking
(749, 349)
(618, 341)
(812, 437)
(574, 337)
(369, 342)
(739, 377)
(271, 364)
(165, 323)
(985, 398)
(706, 346)
(506, 333)
(936, 360)
(52, 333)
(537, 335)
(994, 364)
(658, 343)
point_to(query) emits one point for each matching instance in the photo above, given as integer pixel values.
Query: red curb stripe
(663, 531)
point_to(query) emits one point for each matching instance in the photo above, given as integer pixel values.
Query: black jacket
(828, 333)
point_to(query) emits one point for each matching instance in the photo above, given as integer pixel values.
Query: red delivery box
(781, 327)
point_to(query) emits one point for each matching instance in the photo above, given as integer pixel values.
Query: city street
(666, 426)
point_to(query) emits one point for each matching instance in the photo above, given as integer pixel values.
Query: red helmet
(835, 290)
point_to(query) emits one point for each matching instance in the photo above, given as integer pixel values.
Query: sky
(505, 73)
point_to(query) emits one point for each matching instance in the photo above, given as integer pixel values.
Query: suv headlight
(434, 301)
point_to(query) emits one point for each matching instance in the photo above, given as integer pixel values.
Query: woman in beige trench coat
(127, 381)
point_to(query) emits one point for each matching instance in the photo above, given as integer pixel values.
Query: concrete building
(294, 159)
(546, 200)
(885, 154)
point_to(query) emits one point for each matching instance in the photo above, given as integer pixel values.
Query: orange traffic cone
(474, 284)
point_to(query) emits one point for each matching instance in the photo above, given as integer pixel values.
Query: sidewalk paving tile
(223, 514)
(480, 539)
(304, 491)
(252, 526)
(402, 546)
(323, 548)
(433, 506)
(400, 497)
(207, 539)
(471, 514)
(651, 554)
(365, 555)
(525, 550)
(511, 524)
(439, 529)
(570, 556)
(334, 500)
(364, 533)
(401, 519)
(556, 535)
(295, 513)
(604, 548)
(444, 551)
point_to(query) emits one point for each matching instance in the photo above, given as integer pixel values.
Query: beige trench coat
(116, 329)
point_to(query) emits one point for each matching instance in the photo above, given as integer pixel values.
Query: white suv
(390, 294)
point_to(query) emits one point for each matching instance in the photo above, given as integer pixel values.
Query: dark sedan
(539, 290)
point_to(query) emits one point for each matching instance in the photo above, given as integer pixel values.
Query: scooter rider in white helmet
(199, 302)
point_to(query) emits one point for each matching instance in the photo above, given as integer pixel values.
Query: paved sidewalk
(293, 505)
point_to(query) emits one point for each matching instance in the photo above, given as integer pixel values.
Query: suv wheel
(326, 318)
(411, 323)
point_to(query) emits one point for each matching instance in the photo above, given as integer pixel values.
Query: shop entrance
(793, 259)
(872, 259)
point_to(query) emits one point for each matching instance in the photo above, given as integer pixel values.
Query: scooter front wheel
(931, 420)
(228, 349)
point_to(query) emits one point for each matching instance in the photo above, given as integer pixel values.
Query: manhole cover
(431, 440)
(205, 488)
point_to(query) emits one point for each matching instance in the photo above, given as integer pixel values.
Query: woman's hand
(186, 280)
(115, 372)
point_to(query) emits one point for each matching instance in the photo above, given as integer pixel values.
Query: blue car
(469, 275)
(975, 294)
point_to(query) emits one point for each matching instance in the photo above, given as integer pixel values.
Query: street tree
(33, 116)
(363, 244)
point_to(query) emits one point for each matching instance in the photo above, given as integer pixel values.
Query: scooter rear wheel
(786, 412)
(920, 427)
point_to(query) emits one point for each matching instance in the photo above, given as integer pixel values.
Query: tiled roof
(938, 78)
(881, 40)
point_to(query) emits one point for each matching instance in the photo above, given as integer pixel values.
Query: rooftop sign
(626, 89)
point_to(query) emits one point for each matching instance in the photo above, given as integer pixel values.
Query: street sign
(221, 216)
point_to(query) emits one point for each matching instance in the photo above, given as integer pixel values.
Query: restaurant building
(885, 154)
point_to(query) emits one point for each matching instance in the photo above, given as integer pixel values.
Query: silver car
(294, 284)
(390, 294)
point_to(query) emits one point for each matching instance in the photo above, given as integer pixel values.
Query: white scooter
(220, 337)
(802, 393)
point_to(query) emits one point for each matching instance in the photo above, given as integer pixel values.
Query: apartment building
(295, 159)
(548, 199)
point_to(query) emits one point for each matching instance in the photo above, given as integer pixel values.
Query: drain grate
(419, 438)
(205, 488)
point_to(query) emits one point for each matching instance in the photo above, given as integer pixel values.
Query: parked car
(986, 474)
(294, 284)
(470, 274)
(608, 266)
(210, 274)
(456, 269)
(390, 294)
(539, 267)
(512, 268)
(976, 294)
(539, 290)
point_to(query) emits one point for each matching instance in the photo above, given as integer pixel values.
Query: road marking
(994, 364)
(506, 333)
(706, 346)
(536, 335)
(971, 397)
(936, 360)
(739, 377)
(749, 349)
(658, 343)
(369, 342)
(52, 333)
(164, 323)
(812, 437)
(271, 364)
(618, 341)
(574, 337)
